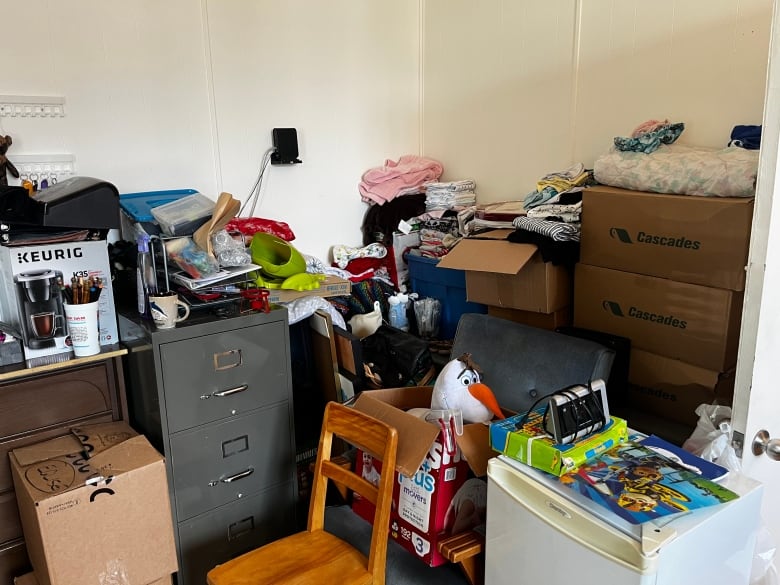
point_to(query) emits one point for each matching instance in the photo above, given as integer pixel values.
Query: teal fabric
(650, 141)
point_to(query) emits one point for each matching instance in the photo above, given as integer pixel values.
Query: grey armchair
(521, 364)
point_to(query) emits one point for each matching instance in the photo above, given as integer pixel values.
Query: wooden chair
(315, 556)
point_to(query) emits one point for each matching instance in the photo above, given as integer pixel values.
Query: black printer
(77, 203)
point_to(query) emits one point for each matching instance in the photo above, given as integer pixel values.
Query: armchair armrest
(467, 550)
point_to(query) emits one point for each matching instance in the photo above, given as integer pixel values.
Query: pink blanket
(381, 184)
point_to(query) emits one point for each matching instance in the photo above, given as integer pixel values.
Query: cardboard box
(70, 259)
(532, 446)
(549, 321)
(332, 286)
(700, 240)
(415, 436)
(505, 274)
(29, 579)
(421, 512)
(674, 389)
(94, 502)
(420, 450)
(696, 324)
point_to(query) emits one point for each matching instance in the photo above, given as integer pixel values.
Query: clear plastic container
(185, 215)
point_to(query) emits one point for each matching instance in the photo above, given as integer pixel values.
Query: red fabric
(359, 265)
(249, 226)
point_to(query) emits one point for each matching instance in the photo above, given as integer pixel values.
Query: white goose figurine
(459, 386)
(366, 324)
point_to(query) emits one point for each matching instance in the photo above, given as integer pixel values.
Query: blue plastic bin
(139, 205)
(445, 284)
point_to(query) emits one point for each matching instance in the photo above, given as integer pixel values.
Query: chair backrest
(373, 437)
(522, 363)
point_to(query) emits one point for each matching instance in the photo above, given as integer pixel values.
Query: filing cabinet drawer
(233, 529)
(218, 463)
(222, 374)
(52, 400)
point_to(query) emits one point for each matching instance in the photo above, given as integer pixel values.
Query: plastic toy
(5, 164)
(459, 387)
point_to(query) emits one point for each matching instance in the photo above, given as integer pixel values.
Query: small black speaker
(285, 147)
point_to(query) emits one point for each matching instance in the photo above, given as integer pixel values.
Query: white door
(757, 392)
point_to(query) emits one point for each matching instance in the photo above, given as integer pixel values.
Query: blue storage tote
(139, 205)
(445, 284)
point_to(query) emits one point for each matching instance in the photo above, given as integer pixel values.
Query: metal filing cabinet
(214, 395)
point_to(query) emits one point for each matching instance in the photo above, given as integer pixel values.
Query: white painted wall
(134, 78)
(185, 94)
(514, 89)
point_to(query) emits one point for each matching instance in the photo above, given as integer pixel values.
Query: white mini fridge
(539, 531)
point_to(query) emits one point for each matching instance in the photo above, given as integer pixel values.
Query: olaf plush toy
(459, 387)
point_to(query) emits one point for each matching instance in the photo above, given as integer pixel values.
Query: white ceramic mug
(166, 310)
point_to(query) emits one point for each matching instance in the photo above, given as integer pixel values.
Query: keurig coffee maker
(40, 308)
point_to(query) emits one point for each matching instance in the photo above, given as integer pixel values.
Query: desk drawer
(13, 561)
(10, 523)
(51, 400)
(218, 463)
(233, 529)
(219, 375)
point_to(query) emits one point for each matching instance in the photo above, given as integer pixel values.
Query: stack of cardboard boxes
(667, 272)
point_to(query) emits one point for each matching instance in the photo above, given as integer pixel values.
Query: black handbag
(398, 358)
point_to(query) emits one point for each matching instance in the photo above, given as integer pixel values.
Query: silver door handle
(243, 474)
(762, 443)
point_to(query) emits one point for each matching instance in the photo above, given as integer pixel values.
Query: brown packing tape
(226, 208)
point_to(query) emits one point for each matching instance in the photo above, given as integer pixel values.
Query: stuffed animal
(5, 164)
(459, 386)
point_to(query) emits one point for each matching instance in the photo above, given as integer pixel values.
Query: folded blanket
(682, 170)
(407, 175)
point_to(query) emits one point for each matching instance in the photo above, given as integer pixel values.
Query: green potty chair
(281, 265)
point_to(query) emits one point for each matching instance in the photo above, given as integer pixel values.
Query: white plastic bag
(711, 440)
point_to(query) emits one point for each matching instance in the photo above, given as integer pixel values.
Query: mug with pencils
(81, 314)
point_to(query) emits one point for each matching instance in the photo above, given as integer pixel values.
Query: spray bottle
(146, 276)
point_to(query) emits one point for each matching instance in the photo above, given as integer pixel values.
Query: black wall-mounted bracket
(285, 142)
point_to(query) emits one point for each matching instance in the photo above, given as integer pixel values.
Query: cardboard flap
(415, 436)
(126, 456)
(59, 447)
(474, 443)
(499, 256)
(99, 437)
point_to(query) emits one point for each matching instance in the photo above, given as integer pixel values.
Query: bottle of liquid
(146, 276)
(399, 304)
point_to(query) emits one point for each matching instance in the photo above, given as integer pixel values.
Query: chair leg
(474, 569)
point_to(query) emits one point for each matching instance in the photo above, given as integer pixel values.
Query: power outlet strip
(32, 106)
(576, 412)
(45, 166)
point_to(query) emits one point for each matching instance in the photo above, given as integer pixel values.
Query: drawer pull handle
(234, 354)
(230, 391)
(237, 476)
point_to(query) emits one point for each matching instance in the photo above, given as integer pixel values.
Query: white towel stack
(452, 195)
